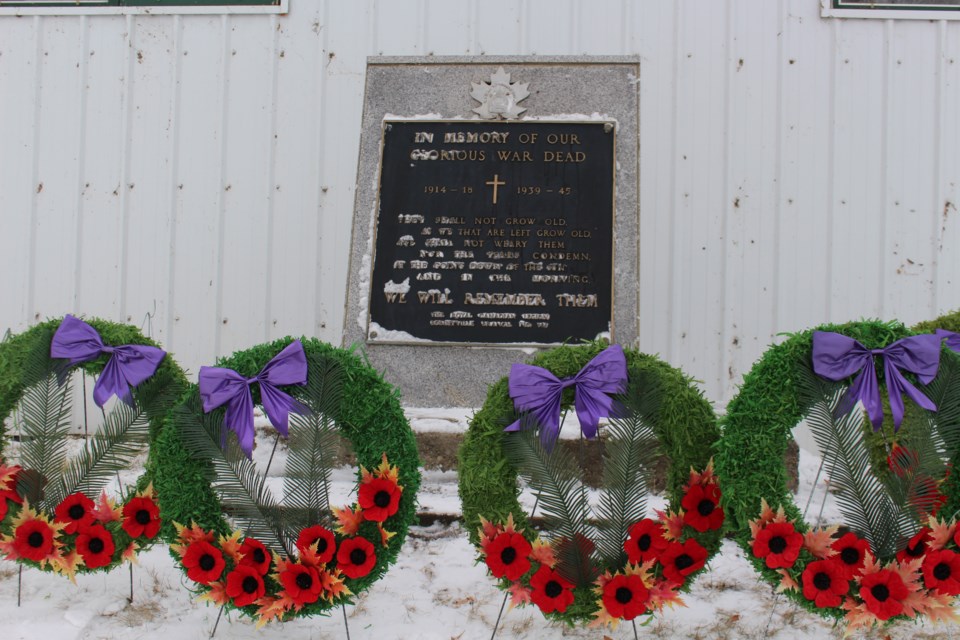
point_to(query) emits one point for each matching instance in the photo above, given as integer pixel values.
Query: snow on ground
(434, 592)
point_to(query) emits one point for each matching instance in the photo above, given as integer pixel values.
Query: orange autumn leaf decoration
(349, 519)
(818, 542)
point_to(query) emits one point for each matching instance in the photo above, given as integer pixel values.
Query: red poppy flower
(326, 544)
(301, 583)
(916, 547)
(778, 544)
(356, 557)
(645, 541)
(254, 554)
(941, 572)
(507, 556)
(379, 499)
(245, 585)
(550, 591)
(3, 508)
(851, 551)
(824, 583)
(95, 545)
(204, 562)
(625, 596)
(702, 507)
(141, 517)
(681, 559)
(883, 593)
(76, 511)
(33, 540)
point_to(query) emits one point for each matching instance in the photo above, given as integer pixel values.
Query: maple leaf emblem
(499, 97)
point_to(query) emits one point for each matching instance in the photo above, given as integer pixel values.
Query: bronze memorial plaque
(493, 232)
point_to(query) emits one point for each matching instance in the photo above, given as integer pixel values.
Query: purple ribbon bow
(953, 339)
(128, 366)
(538, 391)
(836, 357)
(220, 386)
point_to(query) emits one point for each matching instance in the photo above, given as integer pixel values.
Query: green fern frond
(234, 477)
(944, 391)
(124, 433)
(866, 507)
(43, 419)
(629, 454)
(313, 446)
(555, 477)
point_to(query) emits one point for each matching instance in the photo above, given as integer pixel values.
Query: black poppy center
(304, 581)
(880, 592)
(76, 512)
(358, 556)
(207, 562)
(95, 545)
(942, 571)
(259, 556)
(643, 542)
(683, 561)
(142, 517)
(553, 589)
(382, 499)
(850, 555)
(706, 507)
(321, 544)
(917, 550)
(623, 595)
(250, 584)
(508, 555)
(822, 581)
(35, 540)
(777, 544)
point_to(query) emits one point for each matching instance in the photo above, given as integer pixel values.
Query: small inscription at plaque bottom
(493, 232)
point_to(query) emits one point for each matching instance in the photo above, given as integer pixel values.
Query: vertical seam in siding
(885, 166)
(523, 11)
(32, 311)
(831, 170)
(268, 294)
(624, 31)
(321, 95)
(674, 260)
(723, 359)
(221, 201)
(174, 175)
(778, 176)
(374, 28)
(125, 166)
(81, 155)
(424, 26)
(937, 167)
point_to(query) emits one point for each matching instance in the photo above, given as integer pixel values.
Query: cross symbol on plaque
(495, 183)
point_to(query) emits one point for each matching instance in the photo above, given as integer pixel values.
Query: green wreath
(290, 562)
(583, 574)
(895, 543)
(52, 513)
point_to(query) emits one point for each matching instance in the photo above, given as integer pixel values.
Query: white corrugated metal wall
(197, 173)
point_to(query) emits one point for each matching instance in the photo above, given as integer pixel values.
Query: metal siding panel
(445, 26)
(948, 257)
(549, 27)
(99, 230)
(291, 300)
(656, 36)
(400, 25)
(245, 205)
(751, 230)
(698, 190)
(914, 215)
(56, 194)
(145, 268)
(193, 307)
(498, 26)
(806, 130)
(19, 78)
(859, 138)
(341, 108)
